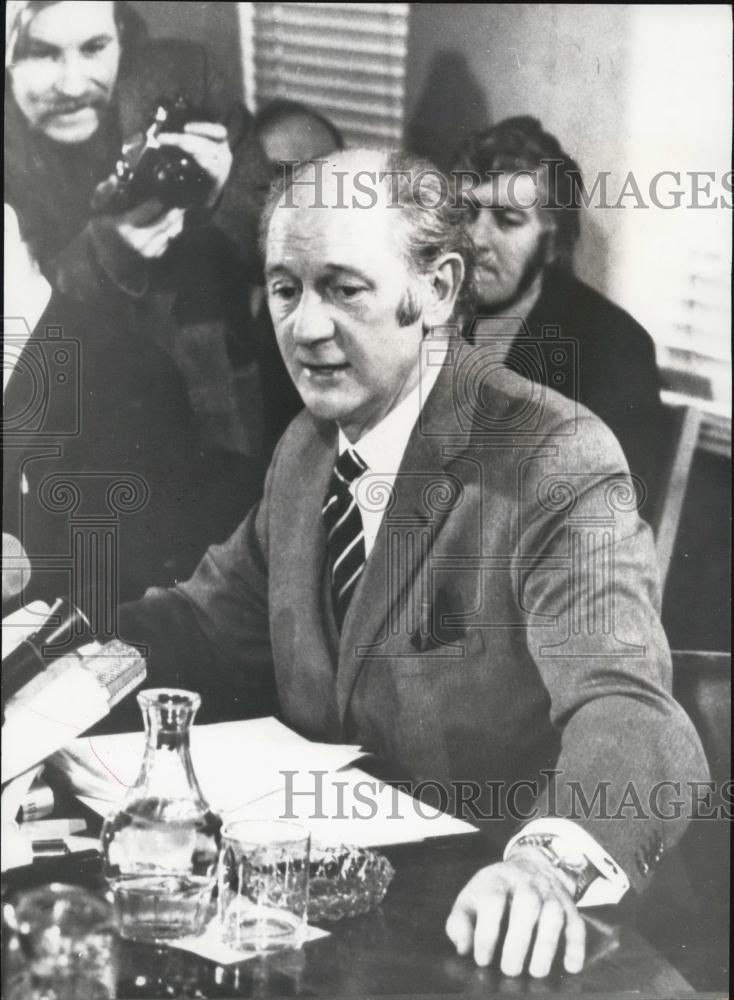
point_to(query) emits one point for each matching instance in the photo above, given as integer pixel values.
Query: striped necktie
(344, 532)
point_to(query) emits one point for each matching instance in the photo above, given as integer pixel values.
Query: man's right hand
(147, 229)
(148, 232)
(542, 914)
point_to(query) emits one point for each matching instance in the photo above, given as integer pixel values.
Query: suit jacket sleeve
(212, 632)
(596, 637)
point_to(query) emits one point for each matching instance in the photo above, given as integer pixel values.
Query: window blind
(684, 301)
(673, 266)
(345, 59)
(693, 342)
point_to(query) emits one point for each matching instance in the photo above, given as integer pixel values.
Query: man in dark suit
(447, 567)
(523, 191)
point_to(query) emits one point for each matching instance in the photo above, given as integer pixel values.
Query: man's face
(67, 68)
(335, 281)
(513, 239)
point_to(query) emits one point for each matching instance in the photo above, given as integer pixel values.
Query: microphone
(65, 629)
(16, 567)
(65, 700)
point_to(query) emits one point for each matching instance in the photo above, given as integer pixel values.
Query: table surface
(398, 950)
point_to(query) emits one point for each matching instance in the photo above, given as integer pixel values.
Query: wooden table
(400, 950)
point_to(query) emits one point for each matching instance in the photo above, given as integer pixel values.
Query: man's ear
(444, 283)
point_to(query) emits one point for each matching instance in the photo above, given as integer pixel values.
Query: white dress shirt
(382, 449)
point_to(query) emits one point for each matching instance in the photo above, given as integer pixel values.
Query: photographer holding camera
(137, 180)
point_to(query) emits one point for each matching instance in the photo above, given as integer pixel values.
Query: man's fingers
(524, 913)
(540, 908)
(144, 214)
(210, 130)
(211, 152)
(212, 156)
(199, 146)
(550, 927)
(156, 246)
(487, 927)
(152, 241)
(575, 953)
(165, 233)
(173, 223)
(460, 927)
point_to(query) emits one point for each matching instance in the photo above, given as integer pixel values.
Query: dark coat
(122, 415)
(611, 368)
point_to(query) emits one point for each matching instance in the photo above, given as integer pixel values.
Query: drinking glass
(60, 943)
(263, 885)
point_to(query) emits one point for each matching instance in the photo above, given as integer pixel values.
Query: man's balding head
(363, 254)
(422, 213)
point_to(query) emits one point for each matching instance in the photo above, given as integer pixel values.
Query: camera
(146, 170)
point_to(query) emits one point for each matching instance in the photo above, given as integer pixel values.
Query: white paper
(15, 848)
(69, 704)
(235, 762)
(209, 945)
(249, 770)
(22, 623)
(351, 807)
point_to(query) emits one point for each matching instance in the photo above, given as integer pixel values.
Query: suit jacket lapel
(301, 585)
(385, 599)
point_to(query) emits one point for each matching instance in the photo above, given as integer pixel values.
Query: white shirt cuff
(612, 884)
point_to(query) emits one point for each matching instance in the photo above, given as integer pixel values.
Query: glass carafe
(160, 848)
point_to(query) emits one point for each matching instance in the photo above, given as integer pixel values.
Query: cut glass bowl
(346, 881)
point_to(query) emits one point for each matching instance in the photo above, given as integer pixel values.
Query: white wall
(563, 63)
(671, 267)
